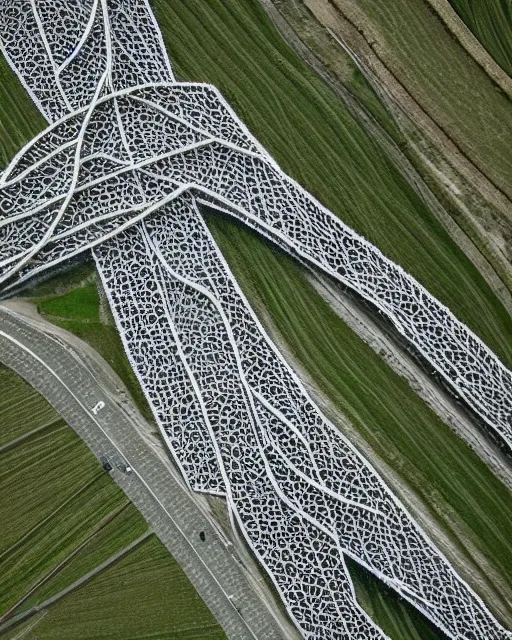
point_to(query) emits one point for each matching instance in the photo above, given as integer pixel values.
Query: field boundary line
(467, 39)
(29, 434)
(75, 585)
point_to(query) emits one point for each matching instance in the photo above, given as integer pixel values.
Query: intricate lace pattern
(120, 171)
(135, 148)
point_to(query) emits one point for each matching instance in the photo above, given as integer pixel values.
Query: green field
(491, 23)
(144, 595)
(448, 84)
(20, 120)
(61, 516)
(398, 619)
(80, 304)
(21, 409)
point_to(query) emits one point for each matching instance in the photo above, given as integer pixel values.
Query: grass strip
(491, 23)
(20, 119)
(113, 534)
(82, 303)
(395, 616)
(21, 409)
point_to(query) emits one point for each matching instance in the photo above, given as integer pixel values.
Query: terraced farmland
(491, 23)
(61, 517)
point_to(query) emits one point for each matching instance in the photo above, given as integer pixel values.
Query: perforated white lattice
(129, 155)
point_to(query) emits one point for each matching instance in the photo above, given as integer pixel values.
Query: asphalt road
(74, 381)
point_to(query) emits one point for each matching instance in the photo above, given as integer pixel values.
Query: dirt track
(323, 33)
(402, 363)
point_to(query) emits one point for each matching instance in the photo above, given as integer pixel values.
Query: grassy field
(131, 599)
(49, 460)
(20, 120)
(491, 23)
(418, 145)
(21, 408)
(82, 304)
(61, 516)
(398, 619)
(442, 77)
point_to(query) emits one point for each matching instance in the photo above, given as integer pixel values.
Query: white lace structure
(128, 157)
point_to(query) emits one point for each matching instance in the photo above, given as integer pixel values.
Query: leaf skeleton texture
(127, 158)
(234, 174)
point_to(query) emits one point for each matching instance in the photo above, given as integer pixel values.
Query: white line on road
(118, 448)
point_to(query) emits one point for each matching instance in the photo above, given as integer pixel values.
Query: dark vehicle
(106, 464)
